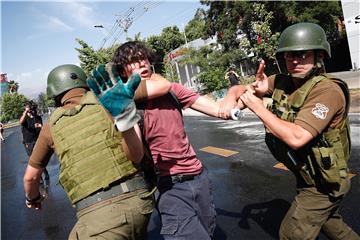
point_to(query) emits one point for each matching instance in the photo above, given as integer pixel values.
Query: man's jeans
(186, 208)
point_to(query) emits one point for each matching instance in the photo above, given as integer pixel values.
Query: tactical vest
(325, 157)
(89, 148)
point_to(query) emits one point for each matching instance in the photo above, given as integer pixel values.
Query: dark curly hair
(132, 51)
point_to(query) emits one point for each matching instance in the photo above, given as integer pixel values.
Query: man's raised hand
(261, 84)
(114, 95)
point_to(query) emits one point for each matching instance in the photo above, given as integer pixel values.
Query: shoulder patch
(320, 111)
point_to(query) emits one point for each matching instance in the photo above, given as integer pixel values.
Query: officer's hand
(114, 95)
(35, 203)
(251, 101)
(261, 83)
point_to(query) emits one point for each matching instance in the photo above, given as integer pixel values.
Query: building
(351, 11)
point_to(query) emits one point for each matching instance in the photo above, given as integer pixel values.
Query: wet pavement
(250, 195)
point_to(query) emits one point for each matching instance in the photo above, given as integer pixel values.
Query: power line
(127, 21)
(180, 16)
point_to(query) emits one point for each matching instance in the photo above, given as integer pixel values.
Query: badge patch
(320, 111)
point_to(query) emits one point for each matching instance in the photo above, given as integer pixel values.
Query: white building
(351, 11)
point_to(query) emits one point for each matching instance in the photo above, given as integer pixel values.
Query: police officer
(307, 129)
(98, 161)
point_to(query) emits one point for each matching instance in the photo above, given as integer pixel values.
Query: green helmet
(64, 78)
(303, 36)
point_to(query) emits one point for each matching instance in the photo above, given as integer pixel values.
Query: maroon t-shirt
(165, 133)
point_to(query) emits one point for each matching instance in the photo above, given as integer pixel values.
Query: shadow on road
(268, 215)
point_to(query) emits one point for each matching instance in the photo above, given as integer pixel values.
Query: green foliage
(13, 86)
(226, 20)
(155, 44)
(196, 27)
(12, 106)
(212, 80)
(171, 38)
(261, 41)
(89, 58)
(170, 73)
(324, 13)
(44, 103)
(212, 64)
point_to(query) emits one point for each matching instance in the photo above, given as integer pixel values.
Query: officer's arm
(151, 88)
(231, 100)
(132, 144)
(290, 133)
(31, 186)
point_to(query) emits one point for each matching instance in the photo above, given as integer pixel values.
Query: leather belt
(135, 183)
(182, 178)
(178, 178)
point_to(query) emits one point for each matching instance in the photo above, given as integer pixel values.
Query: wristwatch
(34, 200)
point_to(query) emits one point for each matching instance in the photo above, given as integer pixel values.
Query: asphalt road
(250, 194)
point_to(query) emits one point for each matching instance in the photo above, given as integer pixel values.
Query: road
(251, 195)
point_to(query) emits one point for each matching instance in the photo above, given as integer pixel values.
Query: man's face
(299, 62)
(142, 67)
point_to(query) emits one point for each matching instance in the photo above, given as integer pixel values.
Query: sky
(37, 36)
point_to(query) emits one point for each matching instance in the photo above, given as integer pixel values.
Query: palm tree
(13, 86)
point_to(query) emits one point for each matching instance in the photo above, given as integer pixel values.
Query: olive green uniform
(322, 179)
(93, 164)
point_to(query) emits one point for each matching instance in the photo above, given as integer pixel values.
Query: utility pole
(186, 42)
(125, 23)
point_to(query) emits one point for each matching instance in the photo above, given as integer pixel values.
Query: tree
(196, 27)
(261, 41)
(324, 13)
(171, 38)
(44, 102)
(213, 64)
(90, 59)
(155, 44)
(137, 37)
(12, 106)
(13, 87)
(227, 20)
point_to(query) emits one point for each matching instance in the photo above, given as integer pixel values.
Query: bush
(12, 106)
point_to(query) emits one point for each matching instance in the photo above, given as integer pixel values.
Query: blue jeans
(186, 208)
